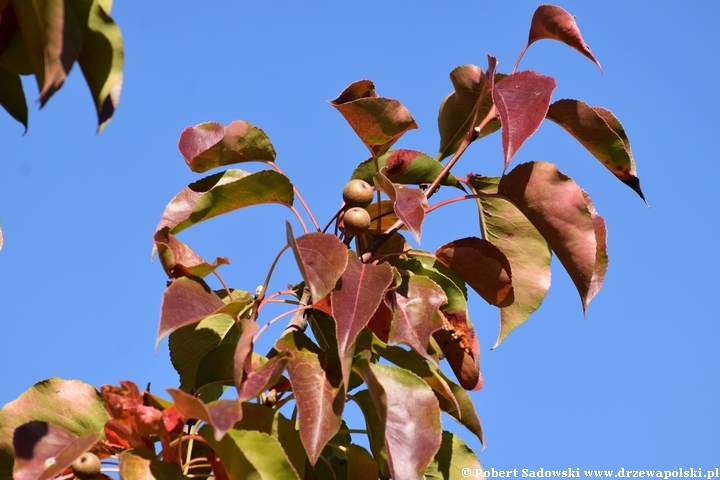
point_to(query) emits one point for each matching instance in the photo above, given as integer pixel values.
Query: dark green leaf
(453, 461)
(462, 408)
(12, 97)
(405, 167)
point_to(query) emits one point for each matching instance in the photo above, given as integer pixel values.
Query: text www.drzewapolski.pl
(707, 474)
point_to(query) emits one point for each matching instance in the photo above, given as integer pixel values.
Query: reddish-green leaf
(259, 380)
(12, 97)
(522, 100)
(461, 408)
(598, 130)
(186, 301)
(378, 121)
(526, 250)
(356, 298)
(458, 342)
(551, 21)
(321, 258)
(562, 213)
(210, 145)
(361, 465)
(409, 203)
(415, 307)
(319, 391)
(482, 266)
(222, 193)
(405, 167)
(44, 450)
(243, 349)
(390, 388)
(454, 461)
(221, 414)
(140, 464)
(375, 428)
(178, 260)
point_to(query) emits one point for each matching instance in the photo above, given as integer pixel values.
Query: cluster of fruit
(357, 195)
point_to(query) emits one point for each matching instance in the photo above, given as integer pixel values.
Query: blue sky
(633, 385)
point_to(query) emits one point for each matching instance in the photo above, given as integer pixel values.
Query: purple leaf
(221, 414)
(409, 203)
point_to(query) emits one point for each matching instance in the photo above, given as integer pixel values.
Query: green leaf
(251, 454)
(379, 122)
(601, 133)
(462, 409)
(222, 193)
(13, 54)
(102, 56)
(375, 428)
(407, 167)
(144, 464)
(216, 367)
(453, 461)
(221, 414)
(12, 97)
(210, 145)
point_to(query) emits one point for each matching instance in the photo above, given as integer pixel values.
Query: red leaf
(127, 405)
(379, 122)
(381, 322)
(243, 349)
(482, 266)
(459, 343)
(321, 258)
(409, 203)
(563, 214)
(356, 298)
(522, 100)
(178, 260)
(551, 21)
(415, 306)
(259, 380)
(221, 414)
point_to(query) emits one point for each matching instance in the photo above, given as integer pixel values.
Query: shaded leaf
(210, 145)
(562, 213)
(221, 414)
(454, 460)
(375, 429)
(356, 297)
(524, 247)
(462, 408)
(317, 383)
(144, 464)
(522, 100)
(178, 260)
(409, 203)
(102, 56)
(385, 215)
(551, 21)
(216, 367)
(458, 342)
(222, 193)
(405, 167)
(361, 465)
(378, 121)
(598, 130)
(12, 97)
(321, 258)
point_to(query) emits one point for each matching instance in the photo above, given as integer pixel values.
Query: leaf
(375, 428)
(186, 301)
(321, 258)
(482, 266)
(12, 97)
(210, 145)
(44, 450)
(449, 281)
(454, 461)
(407, 167)
(457, 110)
(178, 260)
(379, 122)
(390, 388)
(261, 379)
(522, 100)
(415, 307)
(132, 421)
(361, 465)
(524, 247)
(319, 391)
(551, 21)
(216, 367)
(222, 193)
(458, 341)
(462, 408)
(356, 297)
(102, 56)
(248, 328)
(563, 214)
(251, 454)
(221, 414)
(144, 464)
(598, 130)
(53, 39)
(409, 203)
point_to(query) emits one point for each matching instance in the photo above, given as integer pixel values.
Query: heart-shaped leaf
(562, 212)
(379, 122)
(522, 100)
(409, 203)
(221, 414)
(210, 145)
(407, 167)
(598, 130)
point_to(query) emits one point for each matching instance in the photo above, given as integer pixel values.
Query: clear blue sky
(634, 385)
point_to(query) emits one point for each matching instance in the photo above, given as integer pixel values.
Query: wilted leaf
(378, 121)
(405, 167)
(133, 421)
(178, 260)
(458, 342)
(144, 464)
(453, 460)
(551, 21)
(210, 145)
(522, 100)
(12, 97)
(356, 297)
(409, 203)
(598, 130)
(562, 213)
(321, 258)
(221, 414)
(222, 193)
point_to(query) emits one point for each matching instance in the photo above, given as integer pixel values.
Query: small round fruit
(358, 193)
(356, 220)
(86, 465)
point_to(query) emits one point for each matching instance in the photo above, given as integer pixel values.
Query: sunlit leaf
(178, 260)
(378, 121)
(551, 21)
(522, 100)
(210, 145)
(144, 464)
(221, 414)
(222, 193)
(409, 203)
(132, 420)
(405, 167)
(563, 214)
(12, 97)
(453, 461)
(598, 130)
